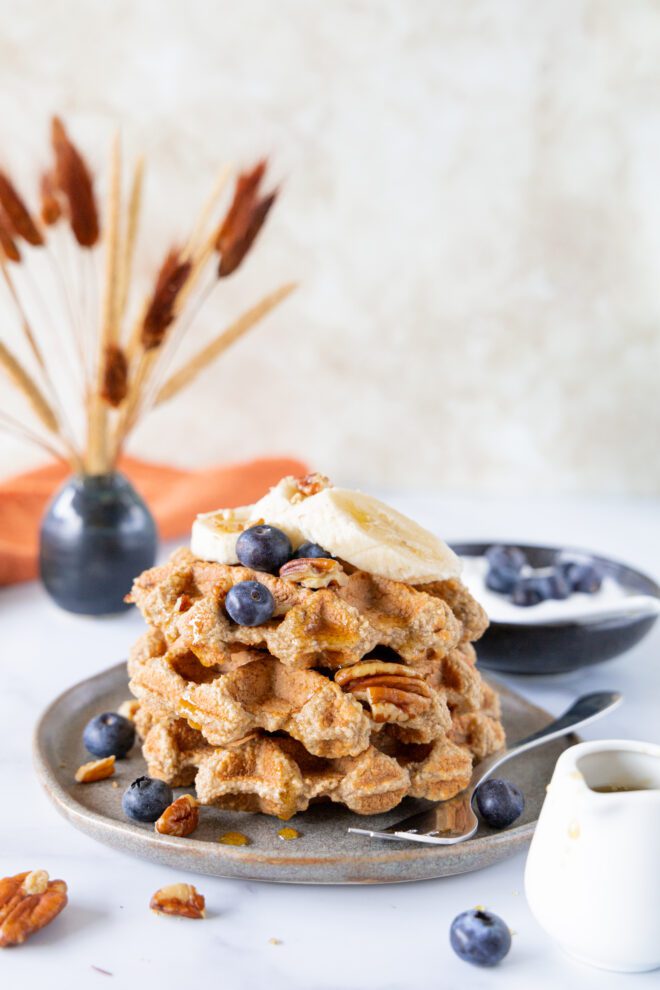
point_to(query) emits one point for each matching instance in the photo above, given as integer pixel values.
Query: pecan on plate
(314, 572)
(392, 691)
(180, 818)
(96, 770)
(180, 899)
(28, 902)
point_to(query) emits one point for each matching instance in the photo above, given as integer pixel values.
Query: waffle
(328, 628)
(331, 718)
(359, 690)
(278, 776)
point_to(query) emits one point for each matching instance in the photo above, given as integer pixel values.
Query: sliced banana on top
(214, 534)
(357, 528)
(278, 508)
(374, 537)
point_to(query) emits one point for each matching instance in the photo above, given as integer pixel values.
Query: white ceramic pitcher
(593, 872)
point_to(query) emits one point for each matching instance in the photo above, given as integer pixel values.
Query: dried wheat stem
(234, 332)
(97, 460)
(206, 212)
(130, 237)
(29, 388)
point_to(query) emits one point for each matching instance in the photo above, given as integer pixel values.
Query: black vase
(96, 536)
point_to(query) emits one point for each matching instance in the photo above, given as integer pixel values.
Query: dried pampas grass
(123, 374)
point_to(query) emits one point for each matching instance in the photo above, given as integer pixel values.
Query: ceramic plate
(325, 851)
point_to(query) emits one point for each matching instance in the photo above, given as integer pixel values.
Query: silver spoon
(449, 822)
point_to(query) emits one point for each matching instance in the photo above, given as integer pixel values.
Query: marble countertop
(328, 938)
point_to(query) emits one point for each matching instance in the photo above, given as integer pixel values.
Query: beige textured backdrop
(470, 203)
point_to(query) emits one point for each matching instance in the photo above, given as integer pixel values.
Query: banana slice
(279, 508)
(370, 535)
(214, 534)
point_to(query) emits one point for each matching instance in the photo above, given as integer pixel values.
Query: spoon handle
(585, 709)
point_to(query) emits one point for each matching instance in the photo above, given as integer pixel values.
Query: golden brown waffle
(328, 628)
(361, 692)
(331, 718)
(277, 776)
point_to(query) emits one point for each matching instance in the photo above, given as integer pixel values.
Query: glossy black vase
(96, 536)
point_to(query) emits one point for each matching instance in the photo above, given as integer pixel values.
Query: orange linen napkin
(173, 495)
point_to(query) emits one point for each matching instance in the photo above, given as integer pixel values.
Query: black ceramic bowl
(545, 648)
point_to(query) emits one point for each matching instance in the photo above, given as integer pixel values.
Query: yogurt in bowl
(612, 598)
(557, 636)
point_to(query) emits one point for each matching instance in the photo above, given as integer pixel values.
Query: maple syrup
(288, 834)
(234, 839)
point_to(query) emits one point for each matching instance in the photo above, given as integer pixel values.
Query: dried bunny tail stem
(232, 257)
(114, 386)
(161, 311)
(17, 214)
(74, 180)
(29, 388)
(215, 348)
(193, 244)
(97, 422)
(237, 217)
(130, 409)
(8, 245)
(130, 236)
(50, 210)
(110, 320)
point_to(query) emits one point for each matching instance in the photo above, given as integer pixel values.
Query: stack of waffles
(360, 689)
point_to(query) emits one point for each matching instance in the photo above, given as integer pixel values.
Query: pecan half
(96, 770)
(180, 899)
(28, 902)
(392, 691)
(181, 818)
(314, 572)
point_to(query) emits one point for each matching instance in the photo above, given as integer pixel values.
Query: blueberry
(558, 584)
(502, 558)
(582, 576)
(146, 799)
(311, 550)
(502, 581)
(499, 802)
(263, 548)
(480, 937)
(249, 603)
(109, 734)
(530, 591)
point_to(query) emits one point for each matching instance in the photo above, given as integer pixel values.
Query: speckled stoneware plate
(325, 851)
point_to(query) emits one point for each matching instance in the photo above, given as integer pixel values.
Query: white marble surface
(375, 938)
(470, 203)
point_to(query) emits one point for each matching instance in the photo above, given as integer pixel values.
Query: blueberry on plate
(583, 576)
(499, 802)
(109, 734)
(501, 558)
(249, 603)
(146, 799)
(263, 548)
(480, 937)
(501, 581)
(558, 584)
(530, 591)
(504, 567)
(308, 550)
